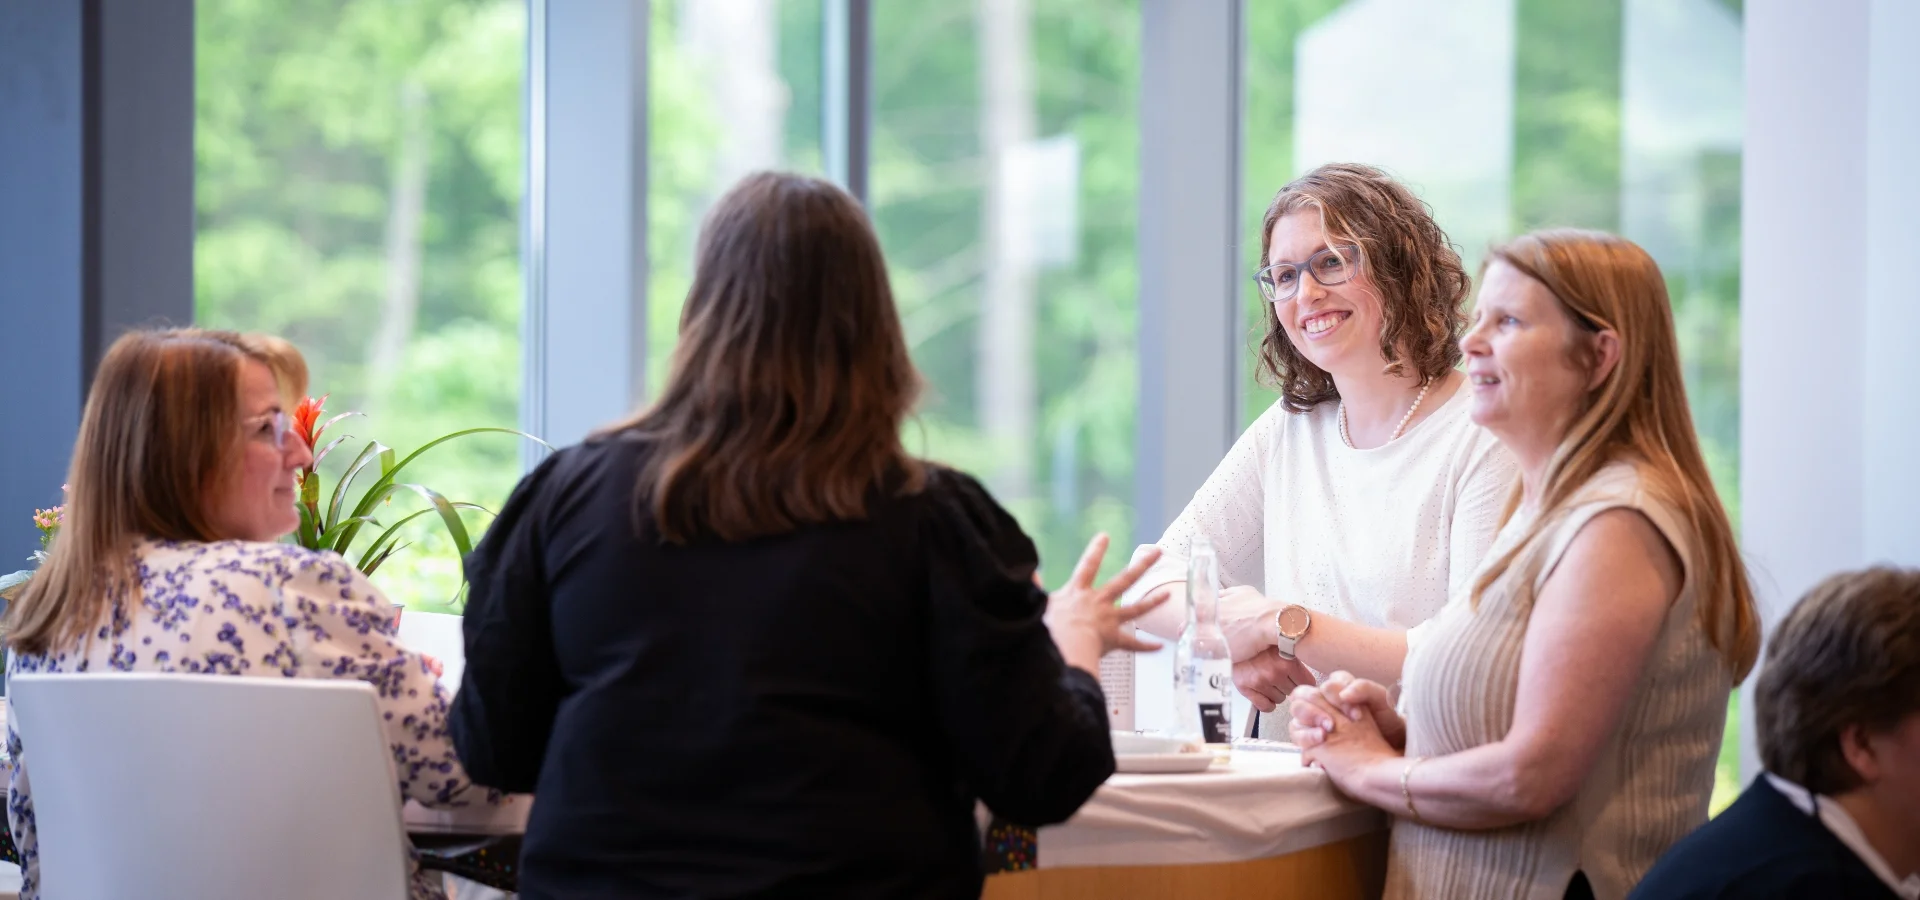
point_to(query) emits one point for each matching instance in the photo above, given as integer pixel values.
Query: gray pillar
(96, 224)
(1190, 264)
(1191, 276)
(584, 331)
(846, 101)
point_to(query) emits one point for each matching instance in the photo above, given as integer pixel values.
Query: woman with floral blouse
(182, 482)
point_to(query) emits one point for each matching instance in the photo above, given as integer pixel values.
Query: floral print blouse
(246, 608)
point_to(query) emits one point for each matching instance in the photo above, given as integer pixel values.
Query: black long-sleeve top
(806, 715)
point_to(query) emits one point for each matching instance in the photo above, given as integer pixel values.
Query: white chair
(214, 787)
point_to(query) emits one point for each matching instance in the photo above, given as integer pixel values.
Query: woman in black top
(743, 645)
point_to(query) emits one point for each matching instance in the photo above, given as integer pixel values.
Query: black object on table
(492, 860)
(487, 859)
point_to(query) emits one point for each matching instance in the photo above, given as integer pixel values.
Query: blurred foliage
(929, 184)
(300, 110)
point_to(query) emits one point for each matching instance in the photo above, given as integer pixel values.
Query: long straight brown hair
(160, 430)
(791, 380)
(1638, 414)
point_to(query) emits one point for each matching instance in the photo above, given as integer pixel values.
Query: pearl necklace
(1398, 430)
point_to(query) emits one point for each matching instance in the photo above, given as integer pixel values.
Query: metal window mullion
(640, 98)
(1190, 291)
(533, 240)
(584, 252)
(846, 106)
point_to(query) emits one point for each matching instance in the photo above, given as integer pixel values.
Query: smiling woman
(1347, 513)
(181, 487)
(1563, 718)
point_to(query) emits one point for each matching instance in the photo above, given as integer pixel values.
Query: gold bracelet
(1407, 792)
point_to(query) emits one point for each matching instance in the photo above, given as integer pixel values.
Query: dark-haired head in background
(1837, 711)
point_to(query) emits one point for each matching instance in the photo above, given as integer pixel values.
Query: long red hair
(1640, 414)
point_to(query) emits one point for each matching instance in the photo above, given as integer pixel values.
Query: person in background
(1564, 711)
(1837, 711)
(742, 644)
(182, 484)
(1348, 511)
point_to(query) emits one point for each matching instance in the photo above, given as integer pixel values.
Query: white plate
(1138, 742)
(1161, 763)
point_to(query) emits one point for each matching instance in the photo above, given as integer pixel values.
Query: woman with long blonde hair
(1564, 716)
(181, 486)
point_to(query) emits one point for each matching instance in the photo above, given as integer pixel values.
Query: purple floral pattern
(244, 608)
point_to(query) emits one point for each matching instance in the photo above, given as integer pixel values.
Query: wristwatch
(1292, 621)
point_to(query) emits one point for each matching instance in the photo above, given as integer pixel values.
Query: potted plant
(336, 519)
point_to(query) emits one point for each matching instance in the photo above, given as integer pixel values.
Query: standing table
(1259, 825)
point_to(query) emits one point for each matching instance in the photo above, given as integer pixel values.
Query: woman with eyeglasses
(1346, 514)
(181, 486)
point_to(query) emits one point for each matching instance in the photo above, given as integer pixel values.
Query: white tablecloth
(1261, 804)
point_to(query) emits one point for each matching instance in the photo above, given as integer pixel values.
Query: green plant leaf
(369, 569)
(393, 532)
(328, 537)
(379, 492)
(387, 537)
(367, 454)
(321, 457)
(308, 535)
(317, 432)
(449, 515)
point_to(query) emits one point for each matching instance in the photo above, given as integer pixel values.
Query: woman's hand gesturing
(1086, 621)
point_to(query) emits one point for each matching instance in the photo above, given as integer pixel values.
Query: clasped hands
(1345, 723)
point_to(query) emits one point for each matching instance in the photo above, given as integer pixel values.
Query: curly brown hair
(1405, 253)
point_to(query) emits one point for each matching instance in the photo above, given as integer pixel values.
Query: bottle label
(1214, 727)
(1213, 689)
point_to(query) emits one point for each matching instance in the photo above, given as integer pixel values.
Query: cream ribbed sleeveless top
(1652, 780)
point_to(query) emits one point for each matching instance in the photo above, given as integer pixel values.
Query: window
(734, 88)
(1004, 187)
(1623, 115)
(357, 185)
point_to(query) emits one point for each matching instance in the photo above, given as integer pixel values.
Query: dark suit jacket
(1762, 848)
(805, 715)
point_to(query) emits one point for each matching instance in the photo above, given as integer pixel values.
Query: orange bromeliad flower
(306, 416)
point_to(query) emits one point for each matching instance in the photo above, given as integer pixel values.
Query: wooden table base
(1354, 869)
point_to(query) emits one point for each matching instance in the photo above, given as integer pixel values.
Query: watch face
(1293, 621)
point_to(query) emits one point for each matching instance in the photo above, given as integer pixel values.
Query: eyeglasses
(1334, 265)
(271, 428)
